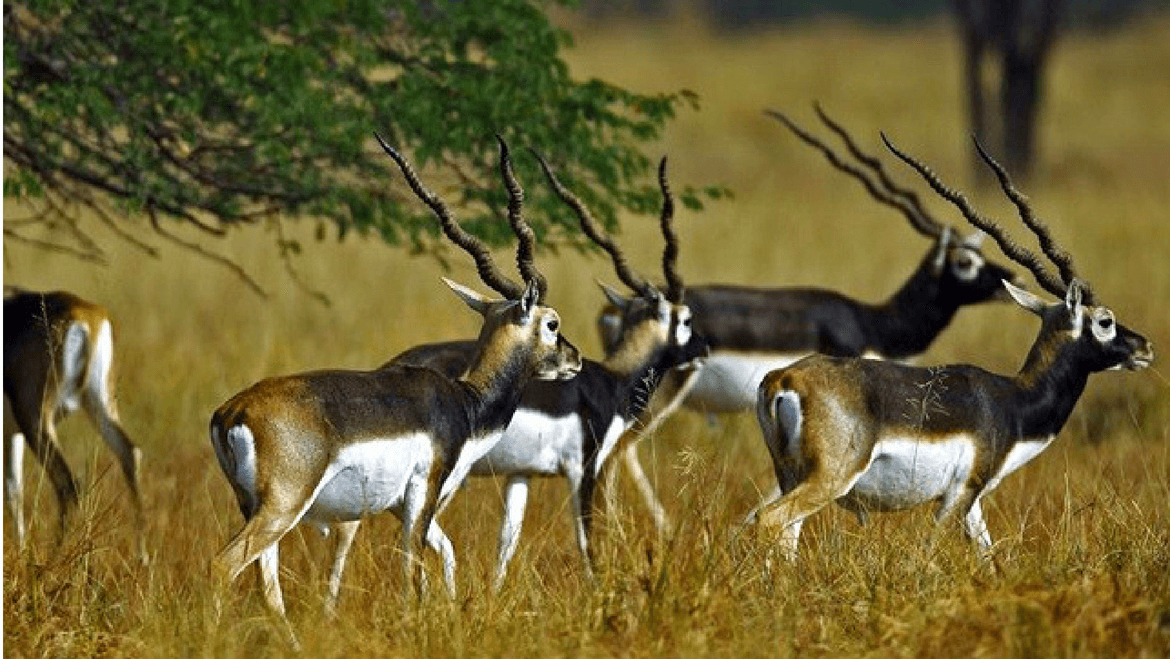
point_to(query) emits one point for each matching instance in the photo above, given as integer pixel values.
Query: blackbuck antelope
(58, 356)
(755, 330)
(331, 447)
(570, 428)
(874, 435)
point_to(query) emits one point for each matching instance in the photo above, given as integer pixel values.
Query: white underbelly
(729, 381)
(904, 473)
(533, 443)
(371, 477)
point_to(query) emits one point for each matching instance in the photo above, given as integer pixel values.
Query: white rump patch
(73, 356)
(730, 381)
(237, 457)
(371, 476)
(906, 472)
(100, 363)
(788, 415)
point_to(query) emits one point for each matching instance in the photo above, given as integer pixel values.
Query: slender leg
(102, 411)
(40, 429)
(753, 515)
(515, 502)
(789, 512)
(633, 465)
(436, 539)
(345, 534)
(581, 487)
(14, 483)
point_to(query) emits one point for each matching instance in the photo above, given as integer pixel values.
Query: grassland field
(1083, 532)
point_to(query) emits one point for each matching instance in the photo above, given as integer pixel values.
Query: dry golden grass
(1083, 533)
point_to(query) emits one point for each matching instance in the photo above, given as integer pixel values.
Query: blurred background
(1091, 514)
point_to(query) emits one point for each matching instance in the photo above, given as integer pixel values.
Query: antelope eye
(1105, 323)
(553, 325)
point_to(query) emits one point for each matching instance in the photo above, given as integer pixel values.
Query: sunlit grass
(1083, 534)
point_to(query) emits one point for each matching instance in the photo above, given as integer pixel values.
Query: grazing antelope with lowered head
(571, 428)
(755, 330)
(58, 356)
(875, 435)
(331, 447)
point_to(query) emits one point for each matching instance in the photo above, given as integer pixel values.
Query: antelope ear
(940, 257)
(1025, 299)
(975, 240)
(1072, 298)
(529, 300)
(478, 302)
(615, 298)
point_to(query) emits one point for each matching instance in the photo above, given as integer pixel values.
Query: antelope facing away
(58, 356)
(332, 447)
(570, 428)
(755, 330)
(875, 435)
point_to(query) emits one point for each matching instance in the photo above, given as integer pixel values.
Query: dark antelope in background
(875, 435)
(755, 330)
(332, 447)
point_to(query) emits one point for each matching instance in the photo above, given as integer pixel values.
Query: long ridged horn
(904, 201)
(484, 264)
(589, 225)
(1055, 253)
(674, 282)
(1014, 251)
(526, 248)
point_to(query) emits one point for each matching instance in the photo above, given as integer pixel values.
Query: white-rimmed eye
(966, 265)
(548, 331)
(1104, 326)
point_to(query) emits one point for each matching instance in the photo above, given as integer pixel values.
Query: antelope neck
(495, 393)
(907, 323)
(1048, 386)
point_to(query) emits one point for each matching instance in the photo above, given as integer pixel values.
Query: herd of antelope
(844, 418)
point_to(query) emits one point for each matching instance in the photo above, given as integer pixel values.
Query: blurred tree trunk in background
(1020, 33)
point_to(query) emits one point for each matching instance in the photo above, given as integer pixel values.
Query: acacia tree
(209, 114)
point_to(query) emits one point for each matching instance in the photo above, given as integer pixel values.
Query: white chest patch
(729, 381)
(533, 443)
(371, 477)
(1020, 454)
(904, 473)
(474, 449)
